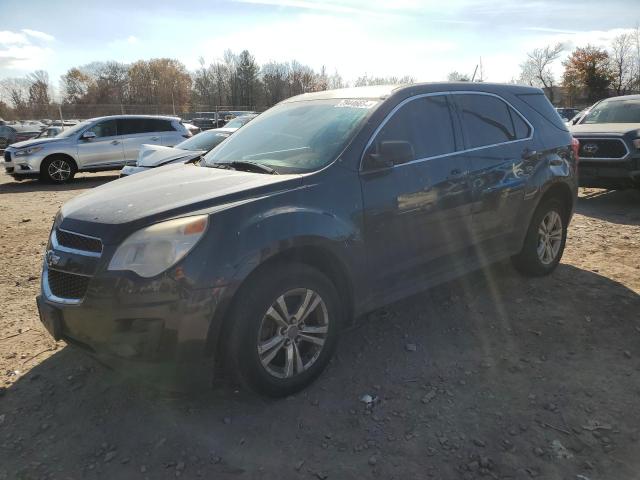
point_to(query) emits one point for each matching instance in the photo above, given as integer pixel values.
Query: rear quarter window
(540, 103)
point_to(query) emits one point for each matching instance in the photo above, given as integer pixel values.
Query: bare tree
(536, 70)
(366, 80)
(16, 91)
(457, 77)
(623, 63)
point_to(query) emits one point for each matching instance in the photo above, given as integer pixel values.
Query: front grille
(7, 156)
(78, 242)
(67, 285)
(611, 148)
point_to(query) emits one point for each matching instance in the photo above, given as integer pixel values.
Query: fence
(83, 111)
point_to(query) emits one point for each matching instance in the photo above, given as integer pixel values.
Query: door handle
(155, 138)
(115, 142)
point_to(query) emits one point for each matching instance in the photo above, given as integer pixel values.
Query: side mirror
(390, 153)
(88, 135)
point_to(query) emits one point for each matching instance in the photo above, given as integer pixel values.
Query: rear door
(171, 132)
(417, 213)
(104, 150)
(498, 143)
(134, 133)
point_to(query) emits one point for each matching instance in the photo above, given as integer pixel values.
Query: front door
(104, 150)
(417, 213)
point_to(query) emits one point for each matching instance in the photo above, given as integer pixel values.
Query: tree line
(235, 80)
(590, 73)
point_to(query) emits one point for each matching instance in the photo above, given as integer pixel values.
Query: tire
(255, 326)
(57, 169)
(534, 259)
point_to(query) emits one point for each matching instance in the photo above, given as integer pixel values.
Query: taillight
(575, 146)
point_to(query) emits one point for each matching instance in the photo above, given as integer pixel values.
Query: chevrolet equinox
(325, 207)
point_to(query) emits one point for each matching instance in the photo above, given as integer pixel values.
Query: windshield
(203, 141)
(238, 122)
(295, 137)
(617, 111)
(71, 131)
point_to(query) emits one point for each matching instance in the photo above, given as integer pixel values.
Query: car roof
(157, 117)
(622, 98)
(384, 91)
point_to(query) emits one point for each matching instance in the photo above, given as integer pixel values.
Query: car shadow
(615, 206)
(447, 372)
(80, 182)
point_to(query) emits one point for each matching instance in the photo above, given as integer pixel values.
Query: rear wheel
(57, 169)
(544, 244)
(284, 329)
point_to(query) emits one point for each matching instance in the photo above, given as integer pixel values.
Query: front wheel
(284, 329)
(546, 237)
(57, 169)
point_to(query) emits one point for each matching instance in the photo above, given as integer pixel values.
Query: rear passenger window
(487, 120)
(131, 126)
(425, 123)
(160, 125)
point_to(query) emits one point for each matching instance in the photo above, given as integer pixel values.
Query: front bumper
(609, 173)
(21, 167)
(154, 330)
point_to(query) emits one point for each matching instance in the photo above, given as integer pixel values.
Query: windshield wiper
(243, 165)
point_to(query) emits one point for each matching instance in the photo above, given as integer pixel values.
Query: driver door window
(105, 129)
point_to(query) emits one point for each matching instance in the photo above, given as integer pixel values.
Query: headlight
(152, 250)
(27, 151)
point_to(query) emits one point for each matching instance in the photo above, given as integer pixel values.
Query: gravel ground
(490, 376)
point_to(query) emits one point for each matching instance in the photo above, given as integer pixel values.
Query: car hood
(36, 141)
(162, 193)
(606, 128)
(156, 155)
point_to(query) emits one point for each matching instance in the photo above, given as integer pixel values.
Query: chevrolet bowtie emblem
(52, 258)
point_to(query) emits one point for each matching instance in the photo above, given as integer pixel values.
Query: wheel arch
(315, 256)
(74, 164)
(562, 192)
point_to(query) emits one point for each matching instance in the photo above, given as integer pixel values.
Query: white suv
(105, 143)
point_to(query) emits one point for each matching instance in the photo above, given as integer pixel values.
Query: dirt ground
(510, 378)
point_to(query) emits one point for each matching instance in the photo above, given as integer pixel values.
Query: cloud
(352, 46)
(124, 42)
(39, 35)
(24, 50)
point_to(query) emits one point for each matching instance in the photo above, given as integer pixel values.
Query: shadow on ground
(81, 182)
(615, 206)
(511, 378)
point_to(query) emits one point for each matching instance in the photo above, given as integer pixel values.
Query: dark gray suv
(325, 207)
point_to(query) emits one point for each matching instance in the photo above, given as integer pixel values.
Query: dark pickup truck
(609, 135)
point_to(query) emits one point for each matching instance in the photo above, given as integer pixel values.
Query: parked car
(190, 150)
(193, 129)
(151, 156)
(105, 143)
(204, 123)
(609, 135)
(16, 133)
(327, 206)
(567, 113)
(49, 132)
(237, 122)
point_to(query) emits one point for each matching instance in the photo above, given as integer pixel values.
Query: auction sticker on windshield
(356, 103)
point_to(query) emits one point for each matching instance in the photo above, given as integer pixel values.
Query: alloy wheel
(549, 237)
(59, 170)
(292, 333)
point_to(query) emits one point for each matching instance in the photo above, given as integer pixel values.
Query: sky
(423, 39)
